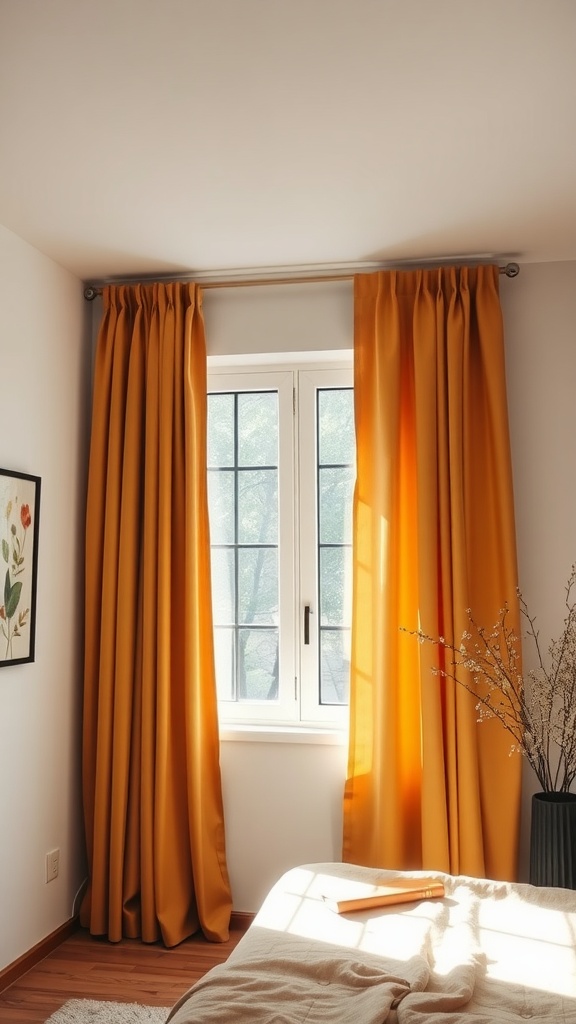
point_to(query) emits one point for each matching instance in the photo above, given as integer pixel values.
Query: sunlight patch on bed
(298, 908)
(507, 939)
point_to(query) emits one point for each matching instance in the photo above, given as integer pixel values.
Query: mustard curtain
(428, 786)
(151, 775)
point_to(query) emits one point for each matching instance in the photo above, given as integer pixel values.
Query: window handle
(307, 614)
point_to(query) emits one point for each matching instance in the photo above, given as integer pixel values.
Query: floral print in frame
(19, 522)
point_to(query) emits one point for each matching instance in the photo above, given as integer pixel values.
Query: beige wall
(44, 374)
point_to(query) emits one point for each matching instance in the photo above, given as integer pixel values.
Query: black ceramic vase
(553, 840)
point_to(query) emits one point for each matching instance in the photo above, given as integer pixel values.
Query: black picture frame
(19, 533)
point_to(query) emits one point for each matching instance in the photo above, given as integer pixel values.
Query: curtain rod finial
(512, 269)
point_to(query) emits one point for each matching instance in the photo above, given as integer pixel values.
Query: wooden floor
(86, 968)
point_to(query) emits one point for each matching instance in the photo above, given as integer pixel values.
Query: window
(281, 467)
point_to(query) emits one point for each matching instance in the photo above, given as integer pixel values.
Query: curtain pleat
(151, 773)
(428, 786)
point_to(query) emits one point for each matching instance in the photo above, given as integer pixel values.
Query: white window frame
(297, 705)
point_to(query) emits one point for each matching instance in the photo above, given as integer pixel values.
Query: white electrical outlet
(52, 865)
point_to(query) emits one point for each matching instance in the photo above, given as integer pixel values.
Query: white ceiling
(159, 136)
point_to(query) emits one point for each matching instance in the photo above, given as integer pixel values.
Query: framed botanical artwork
(19, 522)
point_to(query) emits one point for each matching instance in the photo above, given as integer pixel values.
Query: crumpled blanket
(488, 953)
(294, 980)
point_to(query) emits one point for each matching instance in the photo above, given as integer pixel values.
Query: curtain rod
(92, 291)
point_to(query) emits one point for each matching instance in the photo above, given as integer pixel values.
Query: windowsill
(318, 736)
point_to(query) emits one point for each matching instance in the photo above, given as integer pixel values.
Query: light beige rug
(91, 1011)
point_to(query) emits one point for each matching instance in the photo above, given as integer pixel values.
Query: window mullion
(236, 665)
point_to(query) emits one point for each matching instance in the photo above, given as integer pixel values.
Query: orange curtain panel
(151, 771)
(429, 786)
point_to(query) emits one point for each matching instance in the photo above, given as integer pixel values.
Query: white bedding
(488, 952)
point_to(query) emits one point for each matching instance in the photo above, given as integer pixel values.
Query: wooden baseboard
(23, 964)
(240, 921)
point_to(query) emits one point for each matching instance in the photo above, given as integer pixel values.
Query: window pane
(336, 442)
(220, 430)
(335, 484)
(222, 571)
(243, 504)
(257, 664)
(334, 666)
(335, 564)
(258, 428)
(257, 506)
(221, 505)
(257, 585)
(335, 489)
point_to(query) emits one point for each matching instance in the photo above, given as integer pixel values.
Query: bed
(487, 953)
